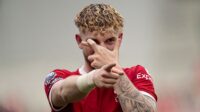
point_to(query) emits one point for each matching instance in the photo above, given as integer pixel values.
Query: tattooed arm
(130, 98)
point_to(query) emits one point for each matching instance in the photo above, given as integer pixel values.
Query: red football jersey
(100, 99)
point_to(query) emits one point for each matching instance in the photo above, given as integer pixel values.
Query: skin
(101, 52)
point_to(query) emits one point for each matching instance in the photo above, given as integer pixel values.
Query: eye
(111, 40)
(96, 41)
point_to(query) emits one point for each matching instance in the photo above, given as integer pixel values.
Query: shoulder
(134, 68)
(135, 71)
(142, 80)
(58, 74)
(64, 72)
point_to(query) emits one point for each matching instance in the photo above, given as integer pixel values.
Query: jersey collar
(81, 70)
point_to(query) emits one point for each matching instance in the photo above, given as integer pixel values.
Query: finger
(118, 41)
(109, 81)
(91, 58)
(84, 43)
(117, 71)
(108, 67)
(92, 44)
(95, 65)
(111, 75)
(108, 85)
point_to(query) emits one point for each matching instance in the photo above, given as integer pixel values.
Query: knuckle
(100, 85)
(92, 44)
(89, 58)
(93, 64)
(95, 57)
(104, 80)
(100, 79)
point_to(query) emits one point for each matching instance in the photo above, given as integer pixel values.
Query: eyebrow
(111, 37)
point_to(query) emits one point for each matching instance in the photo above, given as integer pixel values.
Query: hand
(106, 76)
(102, 55)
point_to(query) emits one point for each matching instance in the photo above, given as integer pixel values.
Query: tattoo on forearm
(131, 100)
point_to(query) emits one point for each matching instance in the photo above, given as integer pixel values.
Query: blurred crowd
(13, 103)
(178, 100)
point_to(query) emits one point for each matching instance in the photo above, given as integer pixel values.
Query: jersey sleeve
(52, 78)
(144, 82)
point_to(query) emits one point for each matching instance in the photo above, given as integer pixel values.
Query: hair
(98, 17)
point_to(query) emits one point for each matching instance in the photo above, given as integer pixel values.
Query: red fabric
(102, 99)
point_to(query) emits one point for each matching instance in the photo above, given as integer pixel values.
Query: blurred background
(37, 36)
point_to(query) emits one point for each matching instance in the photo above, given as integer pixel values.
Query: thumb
(117, 71)
(108, 67)
(93, 44)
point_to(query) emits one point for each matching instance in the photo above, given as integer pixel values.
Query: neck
(87, 68)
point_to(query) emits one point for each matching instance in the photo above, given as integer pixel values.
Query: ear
(120, 37)
(78, 40)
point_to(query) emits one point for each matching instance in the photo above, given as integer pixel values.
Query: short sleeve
(54, 77)
(143, 81)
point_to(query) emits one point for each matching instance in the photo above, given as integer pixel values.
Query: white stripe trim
(51, 104)
(147, 94)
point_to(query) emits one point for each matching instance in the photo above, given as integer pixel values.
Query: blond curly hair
(98, 17)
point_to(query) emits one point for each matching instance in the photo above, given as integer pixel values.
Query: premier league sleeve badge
(51, 79)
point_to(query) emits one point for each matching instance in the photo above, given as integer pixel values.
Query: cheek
(110, 47)
(88, 51)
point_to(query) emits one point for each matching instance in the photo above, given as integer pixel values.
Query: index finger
(117, 45)
(93, 44)
(117, 71)
(84, 43)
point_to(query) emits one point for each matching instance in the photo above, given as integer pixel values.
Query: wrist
(117, 89)
(85, 82)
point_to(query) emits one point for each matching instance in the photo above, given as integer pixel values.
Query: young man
(101, 84)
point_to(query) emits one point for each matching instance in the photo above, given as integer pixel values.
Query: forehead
(100, 35)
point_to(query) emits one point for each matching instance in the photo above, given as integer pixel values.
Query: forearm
(67, 91)
(130, 99)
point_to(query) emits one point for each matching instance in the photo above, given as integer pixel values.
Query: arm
(131, 100)
(75, 88)
(65, 91)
